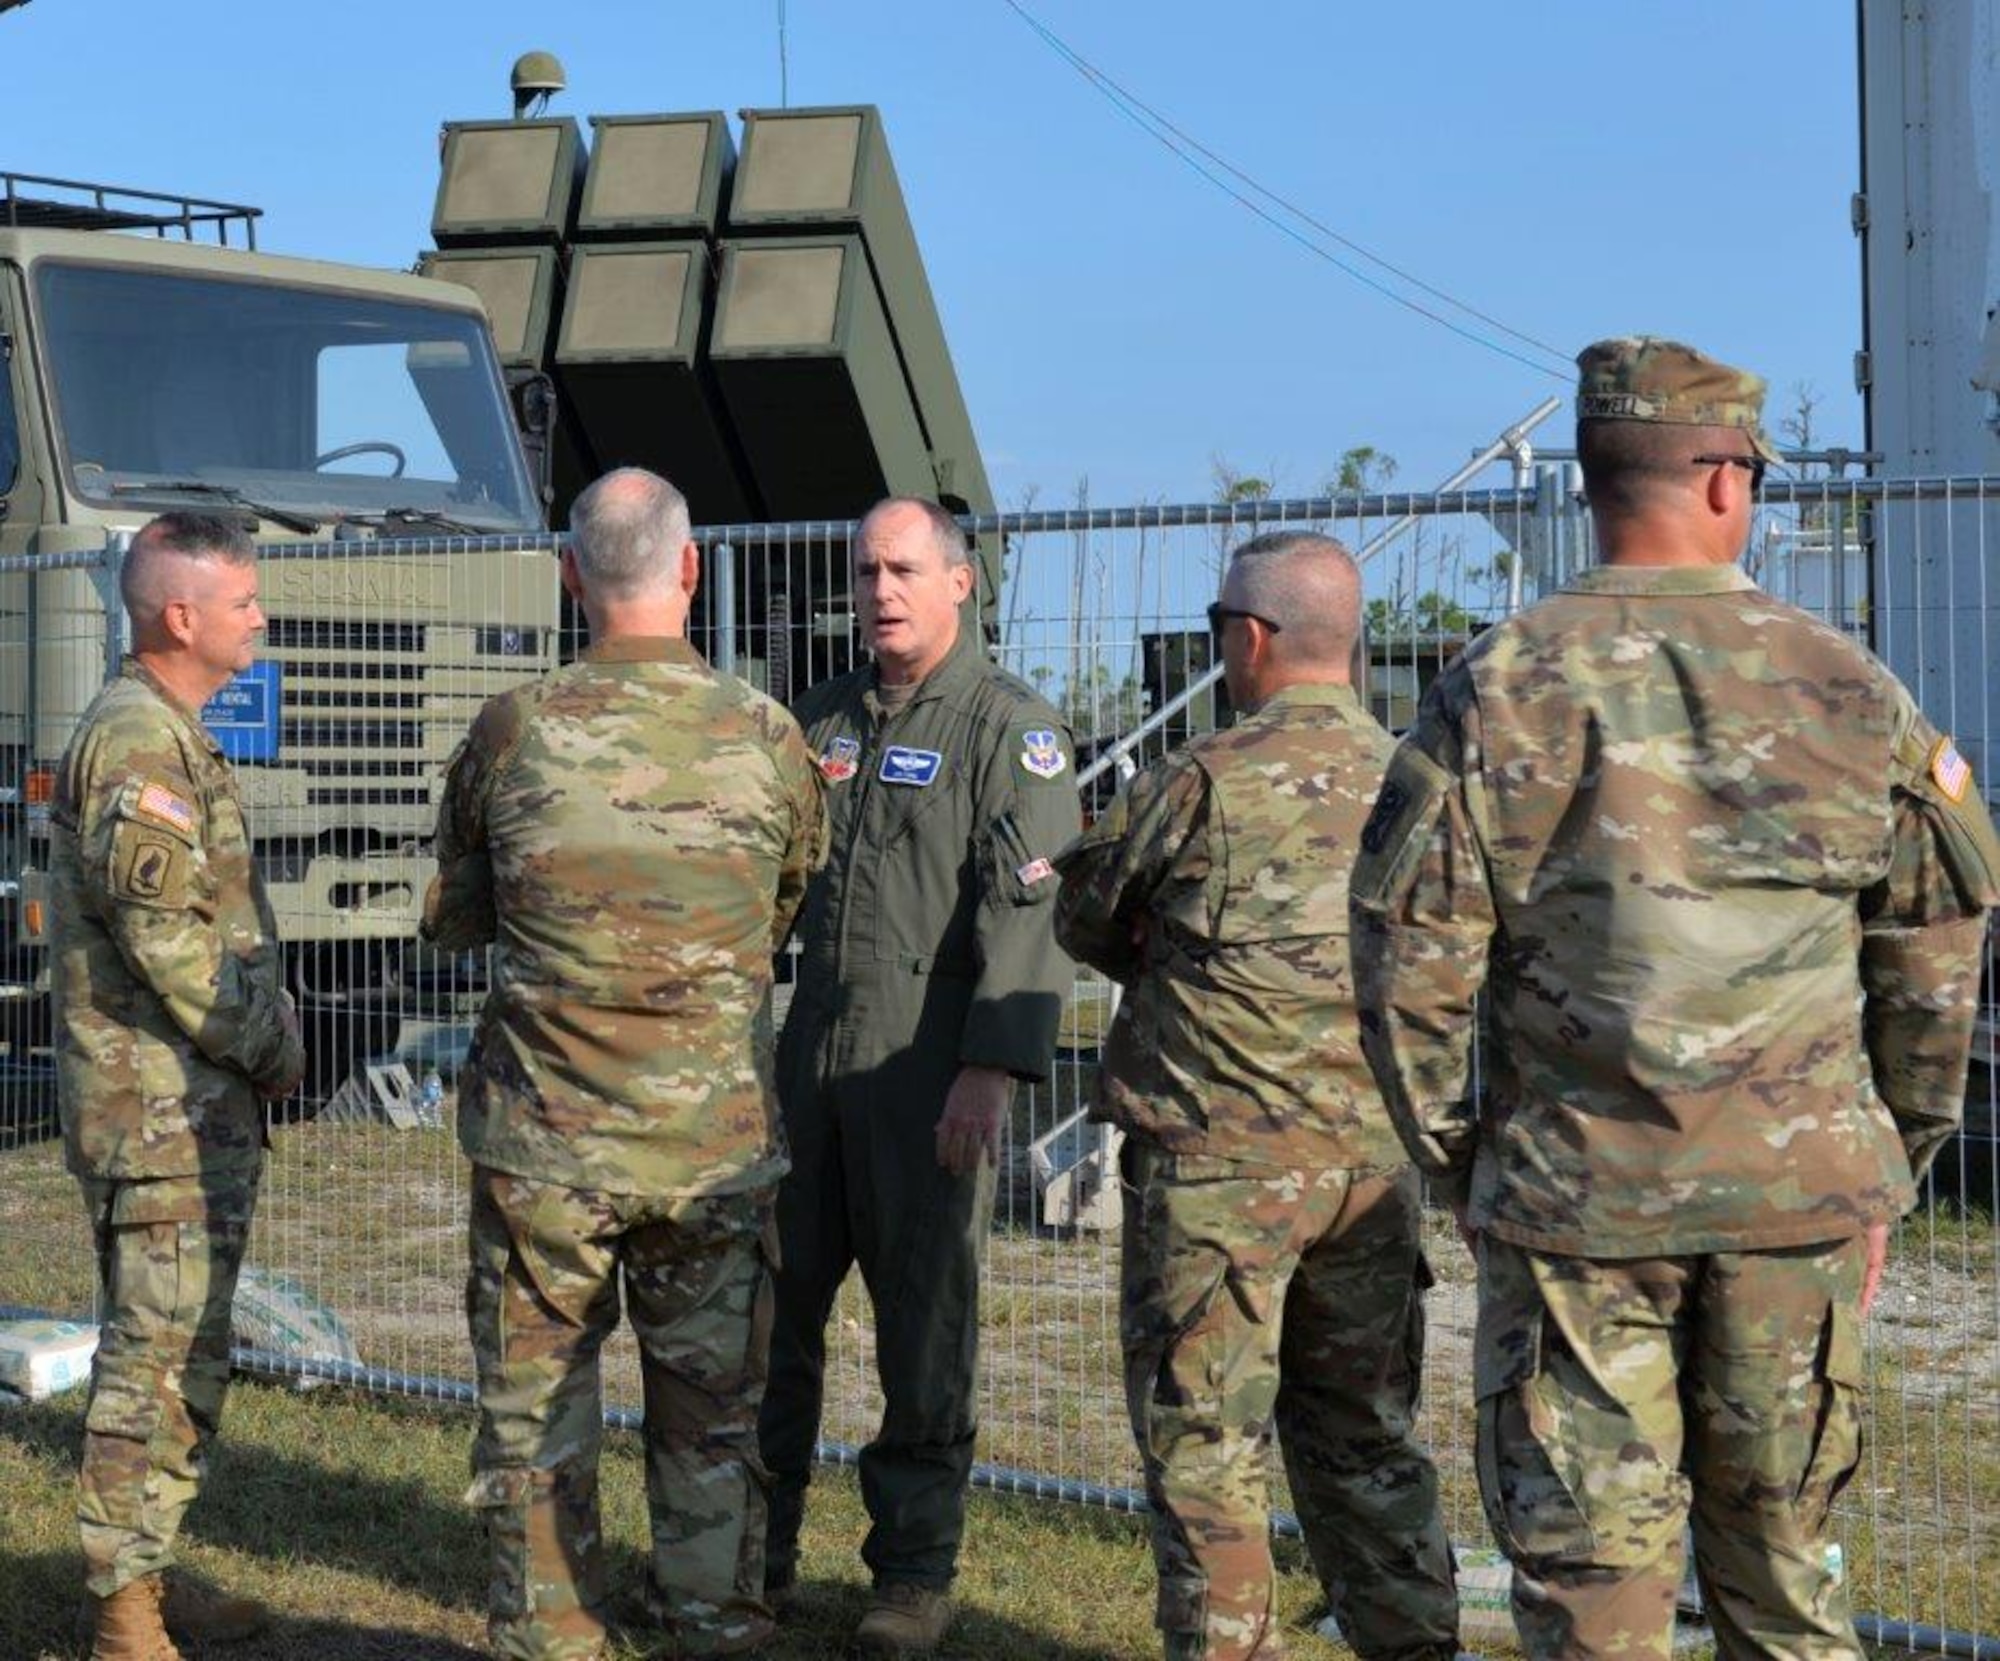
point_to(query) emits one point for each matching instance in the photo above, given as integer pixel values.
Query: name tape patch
(903, 765)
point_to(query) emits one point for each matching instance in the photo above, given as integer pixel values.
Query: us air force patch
(1950, 771)
(1041, 753)
(903, 765)
(840, 760)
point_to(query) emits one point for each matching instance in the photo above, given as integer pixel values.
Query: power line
(1197, 156)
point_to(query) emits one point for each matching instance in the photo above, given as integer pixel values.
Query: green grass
(371, 1221)
(344, 1513)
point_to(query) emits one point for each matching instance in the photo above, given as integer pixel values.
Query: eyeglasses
(1754, 465)
(1218, 614)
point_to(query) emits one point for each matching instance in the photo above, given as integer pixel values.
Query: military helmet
(535, 76)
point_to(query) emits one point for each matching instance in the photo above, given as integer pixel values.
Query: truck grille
(372, 710)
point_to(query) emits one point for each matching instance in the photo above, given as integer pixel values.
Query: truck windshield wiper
(221, 493)
(423, 516)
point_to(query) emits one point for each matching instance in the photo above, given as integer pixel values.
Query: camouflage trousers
(1294, 1298)
(542, 1298)
(168, 1253)
(1621, 1401)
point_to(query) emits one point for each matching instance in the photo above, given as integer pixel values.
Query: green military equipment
(814, 171)
(330, 404)
(821, 170)
(807, 365)
(757, 326)
(654, 176)
(507, 182)
(521, 289)
(534, 78)
(634, 374)
(1172, 661)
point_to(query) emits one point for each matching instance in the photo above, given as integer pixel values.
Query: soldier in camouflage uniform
(1272, 1265)
(1724, 887)
(172, 1027)
(929, 980)
(633, 835)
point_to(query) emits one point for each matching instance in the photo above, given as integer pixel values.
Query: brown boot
(126, 1625)
(199, 1614)
(903, 1620)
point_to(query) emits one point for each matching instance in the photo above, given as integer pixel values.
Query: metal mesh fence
(384, 652)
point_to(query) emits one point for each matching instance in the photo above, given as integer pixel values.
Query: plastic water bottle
(430, 1098)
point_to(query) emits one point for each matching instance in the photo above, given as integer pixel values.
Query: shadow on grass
(303, 1499)
(822, 1622)
(41, 1584)
(304, 1507)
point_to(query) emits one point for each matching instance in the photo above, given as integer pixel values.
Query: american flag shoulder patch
(1950, 771)
(1036, 870)
(157, 802)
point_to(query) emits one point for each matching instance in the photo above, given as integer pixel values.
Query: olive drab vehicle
(752, 320)
(344, 413)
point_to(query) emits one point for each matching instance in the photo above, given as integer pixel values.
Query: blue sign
(244, 714)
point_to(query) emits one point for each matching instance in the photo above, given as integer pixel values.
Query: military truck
(358, 419)
(753, 321)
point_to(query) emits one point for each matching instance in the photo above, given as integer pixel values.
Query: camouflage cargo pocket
(1837, 1438)
(1531, 1466)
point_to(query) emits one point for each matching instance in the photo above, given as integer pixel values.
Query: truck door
(20, 493)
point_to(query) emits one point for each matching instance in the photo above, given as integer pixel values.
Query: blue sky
(1573, 169)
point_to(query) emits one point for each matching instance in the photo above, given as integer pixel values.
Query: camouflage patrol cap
(1644, 378)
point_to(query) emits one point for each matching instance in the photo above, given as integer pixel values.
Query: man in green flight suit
(929, 981)
(172, 1030)
(1725, 889)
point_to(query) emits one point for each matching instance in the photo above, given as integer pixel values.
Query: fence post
(725, 608)
(104, 577)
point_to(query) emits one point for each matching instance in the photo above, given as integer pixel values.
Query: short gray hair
(1306, 583)
(944, 529)
(625, 531)
(146, 577)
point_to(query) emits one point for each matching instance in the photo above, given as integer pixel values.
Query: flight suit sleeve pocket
(1016, 873)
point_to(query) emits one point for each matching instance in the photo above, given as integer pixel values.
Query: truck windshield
(329, 404)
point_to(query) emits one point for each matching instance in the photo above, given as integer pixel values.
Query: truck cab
(360, 422)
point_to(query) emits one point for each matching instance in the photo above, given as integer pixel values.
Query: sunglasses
(1754, 465)
(1218, 614)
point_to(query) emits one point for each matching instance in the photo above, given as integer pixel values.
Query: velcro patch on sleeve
(1036, 870)
(1950, 771)
(1042, 753)
(1399, 828)
(149, 868)
(161, 805)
